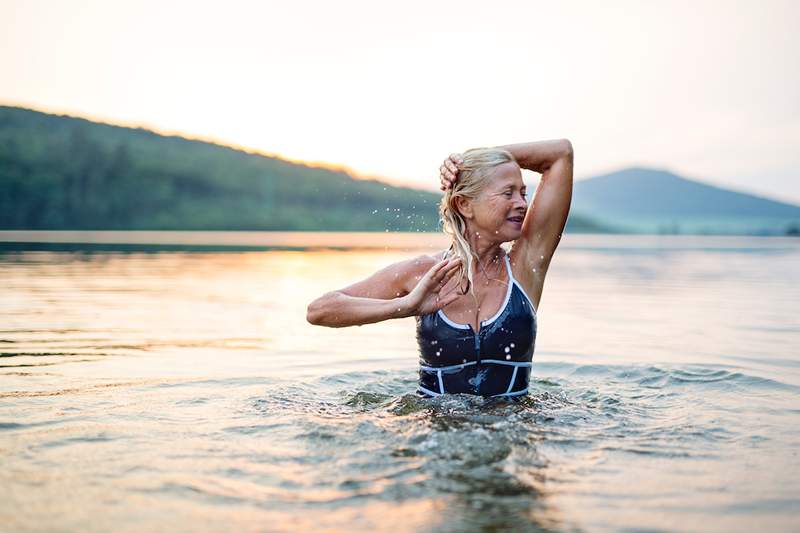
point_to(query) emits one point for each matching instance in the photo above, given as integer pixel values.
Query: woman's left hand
(448, 172)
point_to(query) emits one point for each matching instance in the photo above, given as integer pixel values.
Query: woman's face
(500, 208)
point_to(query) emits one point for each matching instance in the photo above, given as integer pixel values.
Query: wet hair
(474, 174)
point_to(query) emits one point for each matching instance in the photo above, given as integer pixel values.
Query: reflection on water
(184, 390)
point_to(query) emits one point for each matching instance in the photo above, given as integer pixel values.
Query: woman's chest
(509, 336)
(477, 307)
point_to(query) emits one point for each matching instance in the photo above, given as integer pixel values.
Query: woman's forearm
(539, 155)
(338, 310)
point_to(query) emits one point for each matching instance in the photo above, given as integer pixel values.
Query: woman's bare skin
(425, 283)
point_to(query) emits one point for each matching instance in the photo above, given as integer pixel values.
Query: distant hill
(60, 172)
(644, 200)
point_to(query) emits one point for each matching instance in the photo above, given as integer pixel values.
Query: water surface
(184, 390)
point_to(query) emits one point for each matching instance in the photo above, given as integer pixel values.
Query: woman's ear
(464, 206)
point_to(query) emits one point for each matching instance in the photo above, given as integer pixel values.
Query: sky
(709, 90)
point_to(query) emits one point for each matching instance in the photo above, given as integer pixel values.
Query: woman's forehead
(506, 174)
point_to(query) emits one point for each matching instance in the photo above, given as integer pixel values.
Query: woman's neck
(488, 252)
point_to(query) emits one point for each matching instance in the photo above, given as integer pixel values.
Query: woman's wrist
(403, 306)
(538, 156)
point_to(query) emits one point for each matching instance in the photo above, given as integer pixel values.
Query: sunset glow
(704, 89)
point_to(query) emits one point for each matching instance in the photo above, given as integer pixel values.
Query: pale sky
(709, 90)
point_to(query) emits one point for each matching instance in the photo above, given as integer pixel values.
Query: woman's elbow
(568, 150)
(318, 309)
(314, 313)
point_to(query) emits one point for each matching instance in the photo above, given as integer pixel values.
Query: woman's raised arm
(547, 216)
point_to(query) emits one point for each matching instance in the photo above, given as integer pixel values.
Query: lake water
(181, 390)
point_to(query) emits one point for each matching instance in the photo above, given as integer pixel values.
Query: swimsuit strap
(508, 268)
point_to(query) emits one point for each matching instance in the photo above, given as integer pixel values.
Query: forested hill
(60, 172)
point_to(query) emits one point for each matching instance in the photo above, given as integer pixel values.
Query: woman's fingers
(443, 274)
(437, 268)
(436, 273)
(447, 299)
(448, 171)
(444, 177)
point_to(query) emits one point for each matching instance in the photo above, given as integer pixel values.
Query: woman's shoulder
(418, 265)
(409, 271)
(425, 262)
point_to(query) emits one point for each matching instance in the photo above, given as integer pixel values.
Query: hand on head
(448, 172)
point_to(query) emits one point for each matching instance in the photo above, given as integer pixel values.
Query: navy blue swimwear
(496, 361)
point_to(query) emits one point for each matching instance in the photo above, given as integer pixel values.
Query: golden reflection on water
(188, 388)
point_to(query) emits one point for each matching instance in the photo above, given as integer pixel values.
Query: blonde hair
(474, 174)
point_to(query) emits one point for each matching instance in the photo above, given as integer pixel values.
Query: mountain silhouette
(651, 200)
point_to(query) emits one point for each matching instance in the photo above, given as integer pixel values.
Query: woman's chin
(516, 229)
(508, 235)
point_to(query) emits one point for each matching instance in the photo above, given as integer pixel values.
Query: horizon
(323, 100)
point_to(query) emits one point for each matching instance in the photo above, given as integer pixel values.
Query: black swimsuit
(494, 362)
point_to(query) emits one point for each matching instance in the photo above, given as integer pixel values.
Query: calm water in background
(179, 390)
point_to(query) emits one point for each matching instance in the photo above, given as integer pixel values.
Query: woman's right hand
(448, 172)
(426, 297)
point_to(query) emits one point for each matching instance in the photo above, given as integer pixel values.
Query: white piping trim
(510, 363)
(437, 368)
(426, 391)
(513, 377)
(497, 361)
(510, 283)
(525, 294)
(521, 288)
(517, 393)
(441, 384)
(454, 324)
(523, 391)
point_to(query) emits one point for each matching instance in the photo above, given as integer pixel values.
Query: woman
(475, 303)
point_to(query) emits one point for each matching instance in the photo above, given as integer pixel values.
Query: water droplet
(508, 349)
(512, 344)
(508, 357)
(465, 360)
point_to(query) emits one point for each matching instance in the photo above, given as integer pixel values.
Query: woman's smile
(516, 221)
